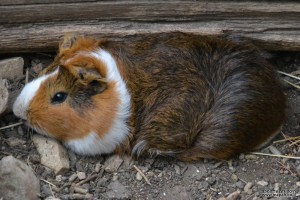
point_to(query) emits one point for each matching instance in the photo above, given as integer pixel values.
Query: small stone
(12, 68)
(20, 131)
(178, 192)
(58, 178)
(18, 181)
(298, 170)
(138, 176)
(97, 167)
(4, 95)
(72, 177)
(262, 183)
(45, 190)
(177, 169)
(274, 150)
(118, 191)
(113, 163)
(242, 156)
(276, 186)
(251, 157)
(13, 141)
(52, 198)
(240, 184)
(53, 154)
(234, 177)
(211, 180)
(233, 196)
(248, 186)
(115, 176)
(298, 183)
(81, 175)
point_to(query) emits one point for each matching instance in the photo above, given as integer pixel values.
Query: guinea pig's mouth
(35, 127)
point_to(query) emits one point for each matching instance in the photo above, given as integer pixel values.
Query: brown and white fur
(173, 94)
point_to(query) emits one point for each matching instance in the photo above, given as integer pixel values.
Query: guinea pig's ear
(68, 41)
(91, 78)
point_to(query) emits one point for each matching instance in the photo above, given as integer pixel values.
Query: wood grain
(38, 27)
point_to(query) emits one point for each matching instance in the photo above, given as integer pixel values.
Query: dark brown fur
(196, 96)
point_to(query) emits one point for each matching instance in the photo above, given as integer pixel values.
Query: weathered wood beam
(39, 27)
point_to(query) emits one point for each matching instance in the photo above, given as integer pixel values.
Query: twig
(286, 168)
(287, 139)
(274, 155)
(292, 84)
(142, 174)
(12, 125)
(90, 178)
(47, 182)
(27, 76)
(289, 75)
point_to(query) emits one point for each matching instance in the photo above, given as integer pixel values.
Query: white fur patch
(93, 144)
(29, 91)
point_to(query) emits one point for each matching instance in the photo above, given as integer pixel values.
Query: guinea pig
(171, 94)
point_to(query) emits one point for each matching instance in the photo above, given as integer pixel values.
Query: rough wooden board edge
(269, 35)
(148, 11)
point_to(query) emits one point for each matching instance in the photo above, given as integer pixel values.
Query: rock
(193, 172)
(46, 190)
(274, 150)
(248, 186)
(72, 177)
(97, 167)
(17, 180)
(52, 198)
(3, 95)
(298, 183)
(276, 186)
(53, 154)
(81, 175)
(118, 191)
(233, 196)
(251, 157)
(177, 169)
(13, 141)
(262, 183)
(58, 178)
(113, 163)
(234, 177)
(178, 192)
(12, 68)
(240, 184)
(138, 176)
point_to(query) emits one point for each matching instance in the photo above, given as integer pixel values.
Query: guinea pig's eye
(59, 97)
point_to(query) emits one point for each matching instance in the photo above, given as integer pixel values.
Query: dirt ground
(255, 176)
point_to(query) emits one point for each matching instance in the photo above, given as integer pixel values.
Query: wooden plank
(148, 11)
(271, 35)
(28, 2)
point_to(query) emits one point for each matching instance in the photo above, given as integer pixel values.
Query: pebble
(45, 190)
(177, 192)
(274, 150)
(53, 154)
(113, 163)
(251, 157)
(12, 68)
(20, 131)
(72, 177)
(177, 169)
(52, 198)
(13, 141)
(298, 183)
(234, 177)
(58, 178)
(97, 167)
(233, 196)
(80, 190)
(18, 181)
(4, 95)
(118, 191)
(248, 186)
(81, 175)
(138, 176)
(276, 186)
(262, 183)
(240, 184)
